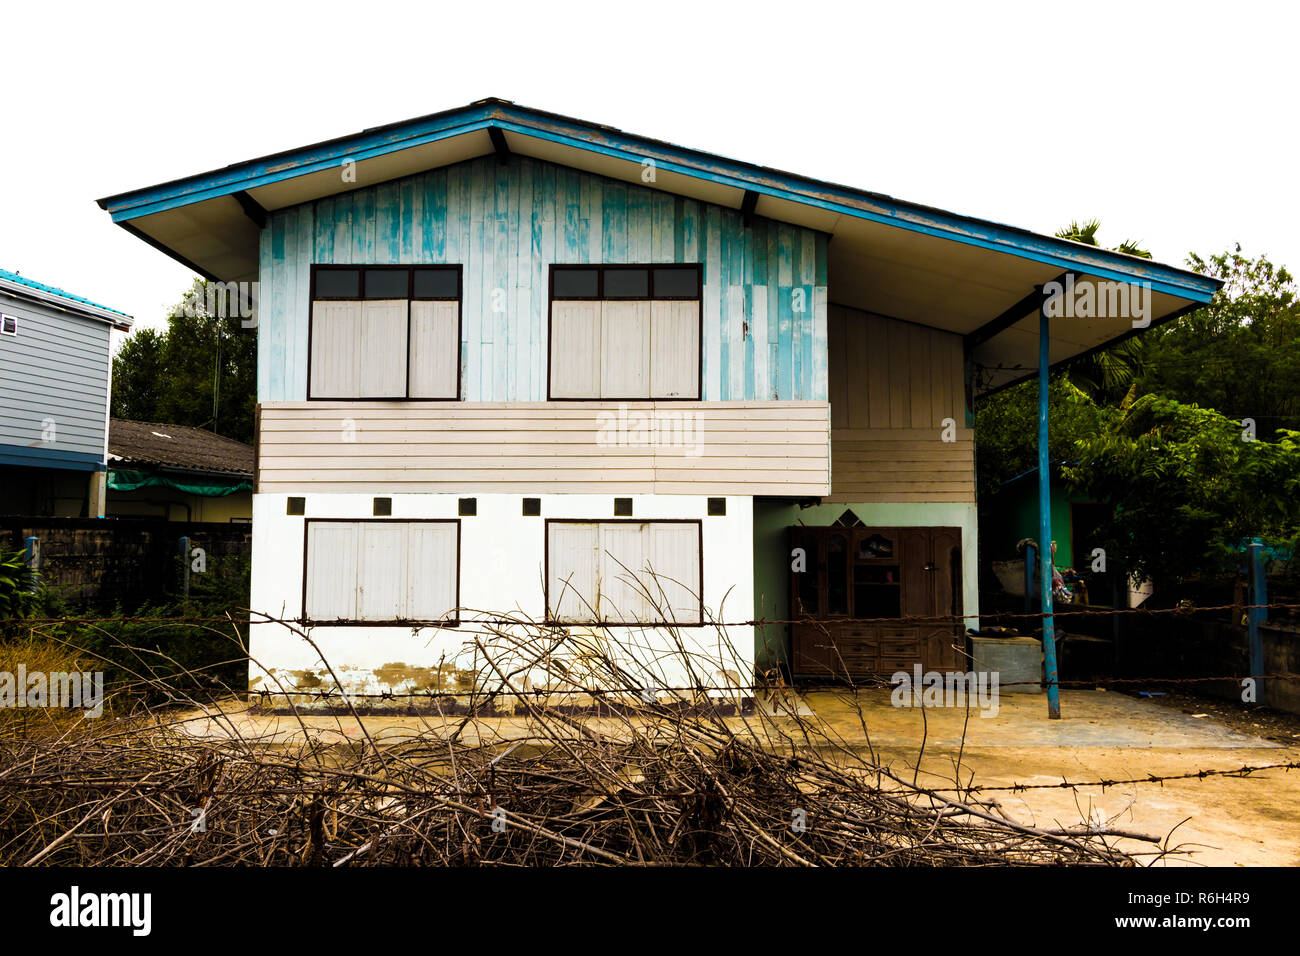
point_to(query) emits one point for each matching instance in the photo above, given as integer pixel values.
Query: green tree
(1188, 485)
(1241, 353)
(1006, 429)
(1106, 374)
(174, 376)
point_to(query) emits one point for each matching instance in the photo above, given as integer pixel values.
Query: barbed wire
(1243, 771)
(257, 617)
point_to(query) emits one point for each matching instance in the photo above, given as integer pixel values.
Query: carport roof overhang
(894, 258)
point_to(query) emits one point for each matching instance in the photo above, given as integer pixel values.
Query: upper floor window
(625, 332)
(384, 332)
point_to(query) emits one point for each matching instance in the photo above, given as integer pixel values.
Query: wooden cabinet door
(918, 572)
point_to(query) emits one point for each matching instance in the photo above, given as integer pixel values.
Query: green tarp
(210, 486)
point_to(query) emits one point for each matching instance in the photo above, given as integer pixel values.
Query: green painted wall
(772, 557)
(1012, 515)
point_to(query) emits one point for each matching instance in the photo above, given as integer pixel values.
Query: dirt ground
(1237, 820)
(1249, 820)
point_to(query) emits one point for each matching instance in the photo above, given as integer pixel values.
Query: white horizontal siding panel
(735, 448)
(435, 348)
(383, 348)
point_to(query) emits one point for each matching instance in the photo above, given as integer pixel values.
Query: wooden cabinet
(855, 582)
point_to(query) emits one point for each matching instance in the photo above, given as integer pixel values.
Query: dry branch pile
(636, 779)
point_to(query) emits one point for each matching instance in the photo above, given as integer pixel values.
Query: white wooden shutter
(381, 577)
(611, 565)
(625, 350)
(572, 552)
(335, 349)
(575, 349)
(331, 571)
(674, 557)
(674, 349)
(383, 348)
(623, 578)
(435, 348)
(431, 571)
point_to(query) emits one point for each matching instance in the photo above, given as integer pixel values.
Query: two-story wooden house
(506, 357)
(55, 367)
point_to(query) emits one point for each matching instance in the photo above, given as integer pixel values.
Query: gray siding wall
(56, 368)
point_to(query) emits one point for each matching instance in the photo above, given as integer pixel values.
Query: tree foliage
(1153, 425)
(1241, 353)
(172, 376)
(1189, 484)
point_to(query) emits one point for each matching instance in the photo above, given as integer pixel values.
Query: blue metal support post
(1045, 520)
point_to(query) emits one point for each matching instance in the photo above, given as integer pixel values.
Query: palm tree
(1086, 232)
(1110, 370)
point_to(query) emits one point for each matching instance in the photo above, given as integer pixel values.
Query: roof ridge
(39, 286)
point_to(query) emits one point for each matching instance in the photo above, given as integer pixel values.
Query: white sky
(1174, 124)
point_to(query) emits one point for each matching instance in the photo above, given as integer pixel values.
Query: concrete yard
(1223, 820)
(1246, 821)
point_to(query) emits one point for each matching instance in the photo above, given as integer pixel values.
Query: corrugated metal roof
(55, 291)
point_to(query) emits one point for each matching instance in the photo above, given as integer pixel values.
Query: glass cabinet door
(837, 573)
(806, 591)
(877, 578)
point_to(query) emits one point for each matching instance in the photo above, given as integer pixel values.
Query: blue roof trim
(567, 131)
(26, 457)
(50, 290)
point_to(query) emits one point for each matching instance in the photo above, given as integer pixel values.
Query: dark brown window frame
(546, 572)
(411, 268)
(307, 621)
(601, 268)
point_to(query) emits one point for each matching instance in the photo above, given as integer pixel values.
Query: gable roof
(20, 285)
(894, 258)
(177, 447)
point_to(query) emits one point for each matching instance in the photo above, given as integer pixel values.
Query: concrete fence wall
(1178, 646)
(101, 562)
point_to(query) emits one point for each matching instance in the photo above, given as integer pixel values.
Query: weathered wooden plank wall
(892, 385)
(764, 284)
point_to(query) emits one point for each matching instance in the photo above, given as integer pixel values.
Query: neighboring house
(1011, 515)
(505, 355)
(55, 367)
(177, 472)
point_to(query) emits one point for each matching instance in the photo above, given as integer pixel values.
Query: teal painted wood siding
(764, 285)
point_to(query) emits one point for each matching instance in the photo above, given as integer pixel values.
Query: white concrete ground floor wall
(502, 565)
